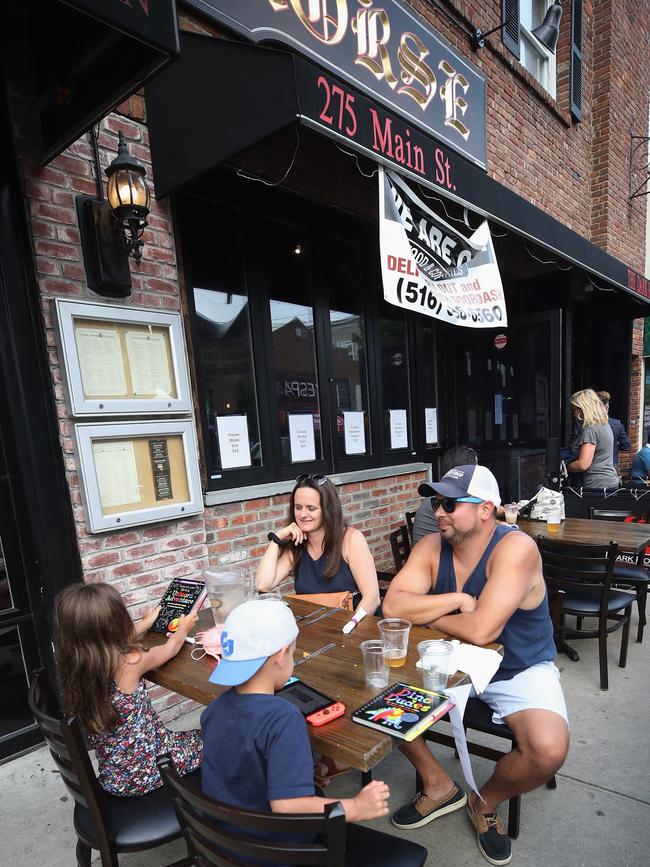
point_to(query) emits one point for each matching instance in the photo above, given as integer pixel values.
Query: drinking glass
(511, 512)
(434, 662)
(374, 663)
(395, 634)
(228, 584)
(553, 519)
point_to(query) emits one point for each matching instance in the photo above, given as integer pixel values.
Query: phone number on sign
(420, 295)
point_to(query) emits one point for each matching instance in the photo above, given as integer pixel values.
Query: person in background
(595, 443)
(621, 439)
(640, 472)
(425, 521)
(101, 664)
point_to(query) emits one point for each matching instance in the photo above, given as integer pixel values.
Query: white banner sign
(428, 266)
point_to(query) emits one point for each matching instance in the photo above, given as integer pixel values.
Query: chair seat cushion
(364, 846)
(588, 602)
(135, 823)
(630, 574)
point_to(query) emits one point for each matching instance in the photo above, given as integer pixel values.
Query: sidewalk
(599, 814)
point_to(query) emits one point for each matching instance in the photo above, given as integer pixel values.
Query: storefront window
(294, 349)
(348, 351)
(395, 380)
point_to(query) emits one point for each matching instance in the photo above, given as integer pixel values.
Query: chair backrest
(572, 566)
(410, 518)
(68, 749)
(400, 546)
(215, 832)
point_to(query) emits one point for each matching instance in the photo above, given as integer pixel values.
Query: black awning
(67, 63)
(250, 92)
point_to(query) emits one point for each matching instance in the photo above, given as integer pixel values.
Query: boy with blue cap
(256, 751)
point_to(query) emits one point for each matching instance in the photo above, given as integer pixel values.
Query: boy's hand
(372, 801)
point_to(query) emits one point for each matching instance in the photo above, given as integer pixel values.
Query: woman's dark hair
(333, 523)
(92, 632)
(459, 456)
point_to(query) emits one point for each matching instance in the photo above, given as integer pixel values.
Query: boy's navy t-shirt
(255, 750)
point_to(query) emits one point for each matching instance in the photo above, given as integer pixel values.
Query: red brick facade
(576, 172)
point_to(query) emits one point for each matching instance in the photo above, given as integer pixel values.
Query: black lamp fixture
(128, 197)
(547, 33)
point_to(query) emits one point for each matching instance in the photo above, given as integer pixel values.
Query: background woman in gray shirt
(595, 442)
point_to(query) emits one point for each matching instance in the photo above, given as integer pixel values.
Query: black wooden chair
(410, 518)
(478, 718)
(101, 821)
(400, 546)
(631, 576)
(215, 834)
(585, 573)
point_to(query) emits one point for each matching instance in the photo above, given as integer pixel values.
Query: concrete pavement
(598, 815)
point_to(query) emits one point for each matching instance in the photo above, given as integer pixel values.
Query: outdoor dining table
(338, 673)
(631, 538)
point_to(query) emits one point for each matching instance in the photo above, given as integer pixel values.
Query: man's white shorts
(536, 688)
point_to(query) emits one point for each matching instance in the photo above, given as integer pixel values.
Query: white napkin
(480, 663)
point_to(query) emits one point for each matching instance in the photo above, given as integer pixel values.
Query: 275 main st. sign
(382, 47)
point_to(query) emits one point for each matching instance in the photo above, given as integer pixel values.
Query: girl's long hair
(333, 522)
(92, 632)
(591, 406)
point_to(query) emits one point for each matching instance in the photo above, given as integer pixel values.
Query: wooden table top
(630, 537)
(338, 673)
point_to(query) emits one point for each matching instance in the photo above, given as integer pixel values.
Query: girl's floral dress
(127, 755)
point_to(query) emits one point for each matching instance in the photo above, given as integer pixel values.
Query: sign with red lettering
(430, 267)
(501, 341)
(385, 49)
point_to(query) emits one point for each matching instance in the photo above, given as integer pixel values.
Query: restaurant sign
(382, 47)
(430, 267)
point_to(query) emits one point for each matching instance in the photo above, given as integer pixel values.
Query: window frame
(548, 79)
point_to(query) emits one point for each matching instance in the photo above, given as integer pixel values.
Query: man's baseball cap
(471, 480)
(252, 632)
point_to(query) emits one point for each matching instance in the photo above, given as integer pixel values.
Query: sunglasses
(449, 504)
(319, 478)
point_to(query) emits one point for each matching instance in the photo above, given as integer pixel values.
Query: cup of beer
(395, 634)
(553, 519)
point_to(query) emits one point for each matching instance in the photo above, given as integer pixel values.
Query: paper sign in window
(399, 438)
(301, 437)
(234, 446)
(117, 474)
(498, 409)
(355, 434)
(148, 364)
(100, 362)
(431, 425)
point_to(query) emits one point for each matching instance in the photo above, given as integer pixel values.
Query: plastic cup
(434, 662)
(511, 513)
(395, 634)
(228, 585)
(374, 663)
(553, 519)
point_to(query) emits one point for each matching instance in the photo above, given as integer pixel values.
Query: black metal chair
(478, 718)
(631, 576)
(410, 518)
(585, 573)
(101, 821)
(216, 834)
(400, 545)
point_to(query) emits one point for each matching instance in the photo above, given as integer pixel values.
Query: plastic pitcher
(228, 585)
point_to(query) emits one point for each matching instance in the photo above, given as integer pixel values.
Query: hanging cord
(356, 159)
(242, 174)
(545, 261)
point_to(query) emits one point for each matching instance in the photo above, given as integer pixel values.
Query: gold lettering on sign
(453, 102)
(415, 70)
(370, 44)
(327, 28)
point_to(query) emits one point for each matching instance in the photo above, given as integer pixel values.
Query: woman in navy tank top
(322, 552)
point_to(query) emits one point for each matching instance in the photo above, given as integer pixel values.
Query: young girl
(100, 665)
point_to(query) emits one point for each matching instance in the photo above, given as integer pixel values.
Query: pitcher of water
(228, 584)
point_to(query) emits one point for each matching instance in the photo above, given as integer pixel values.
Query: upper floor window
(537, 59)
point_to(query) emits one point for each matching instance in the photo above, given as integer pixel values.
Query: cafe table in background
(338, 673)
(631, 538)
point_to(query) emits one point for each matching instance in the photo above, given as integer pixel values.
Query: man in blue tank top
(481, 581)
